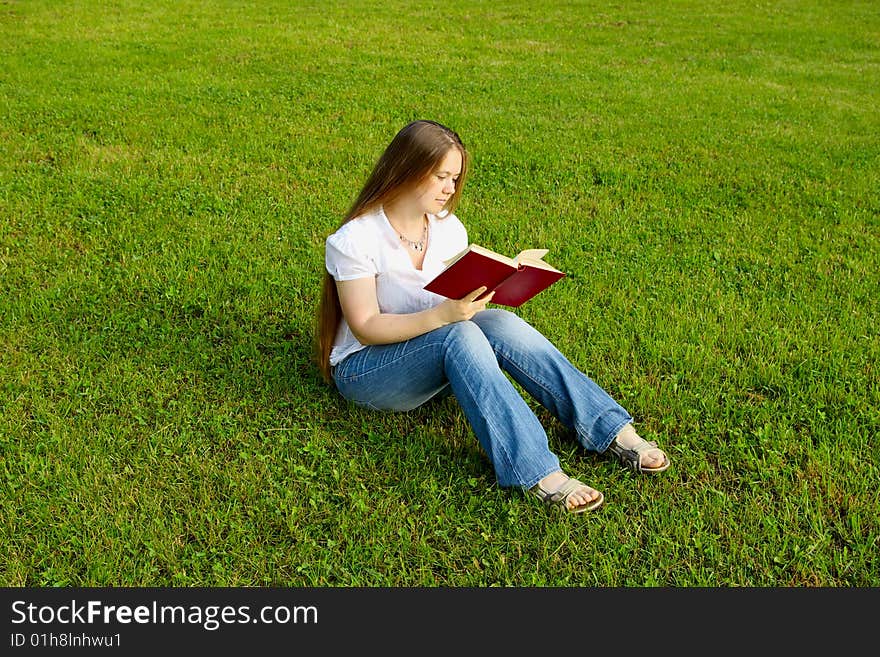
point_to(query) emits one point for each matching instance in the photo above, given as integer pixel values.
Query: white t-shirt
(369, 246)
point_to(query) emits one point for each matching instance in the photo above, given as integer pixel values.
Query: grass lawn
(706, 173)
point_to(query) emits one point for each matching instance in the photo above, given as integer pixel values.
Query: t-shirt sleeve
(455, 237)
(459, 235)
(346, 259)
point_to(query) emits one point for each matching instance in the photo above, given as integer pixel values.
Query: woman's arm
(361, 309)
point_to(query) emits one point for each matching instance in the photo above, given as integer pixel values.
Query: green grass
(706, 173)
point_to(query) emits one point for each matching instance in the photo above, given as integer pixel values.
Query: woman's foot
(637, 453)
(573, 495)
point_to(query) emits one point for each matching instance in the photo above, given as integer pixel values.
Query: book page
(482, 251)
(533, 257)
(532, 254)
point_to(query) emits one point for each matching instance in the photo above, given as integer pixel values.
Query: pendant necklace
(415, 246)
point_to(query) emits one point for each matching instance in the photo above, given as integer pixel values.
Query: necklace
(415, 246)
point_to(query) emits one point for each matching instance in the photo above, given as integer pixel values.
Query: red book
(514, 280)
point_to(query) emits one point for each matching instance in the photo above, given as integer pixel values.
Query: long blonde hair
(411, 156)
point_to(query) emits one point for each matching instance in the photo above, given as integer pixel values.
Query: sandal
(560, 495)
(632, 457)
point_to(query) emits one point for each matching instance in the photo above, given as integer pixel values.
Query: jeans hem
(613, 435)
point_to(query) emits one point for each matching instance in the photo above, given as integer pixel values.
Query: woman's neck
(404, 216)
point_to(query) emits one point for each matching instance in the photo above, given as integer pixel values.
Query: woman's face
(436, 190)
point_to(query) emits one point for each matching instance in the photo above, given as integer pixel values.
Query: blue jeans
(470, 358)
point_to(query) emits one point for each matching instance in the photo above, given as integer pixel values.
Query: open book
(514, 280)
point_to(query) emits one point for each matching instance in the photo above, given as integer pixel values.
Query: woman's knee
(501, 322)
(468, 337)
(503, 327)
(465, 333)
(499, 316)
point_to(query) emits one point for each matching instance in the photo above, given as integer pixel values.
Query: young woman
(388, 344)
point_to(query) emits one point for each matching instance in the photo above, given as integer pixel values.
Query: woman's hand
(459, 310)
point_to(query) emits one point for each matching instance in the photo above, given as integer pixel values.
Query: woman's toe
(654, 459)
(583, 496)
